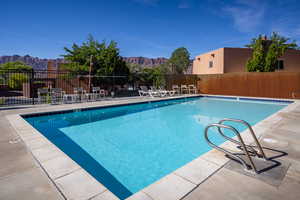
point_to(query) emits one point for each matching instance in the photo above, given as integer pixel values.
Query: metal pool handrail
(261, 152)
(244, 148)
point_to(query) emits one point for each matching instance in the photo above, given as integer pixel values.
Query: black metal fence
(26, 87)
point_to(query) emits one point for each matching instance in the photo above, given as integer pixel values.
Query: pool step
(270, 171)
(252, 157)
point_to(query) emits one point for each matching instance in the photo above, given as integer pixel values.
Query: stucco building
(226, 60)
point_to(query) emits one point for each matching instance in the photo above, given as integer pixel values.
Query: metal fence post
(32, 86)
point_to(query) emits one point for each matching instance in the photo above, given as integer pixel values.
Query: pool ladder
(248, 150)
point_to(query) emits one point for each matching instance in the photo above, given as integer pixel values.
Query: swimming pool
(129, 147)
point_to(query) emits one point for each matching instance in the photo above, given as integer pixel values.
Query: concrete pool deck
(33, 168)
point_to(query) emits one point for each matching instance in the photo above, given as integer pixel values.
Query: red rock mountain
(145, 61)
(41, 64)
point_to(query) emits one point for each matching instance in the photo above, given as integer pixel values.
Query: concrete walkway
(20, 176)
(228, 184)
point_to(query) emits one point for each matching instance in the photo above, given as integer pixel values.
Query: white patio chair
(57, 95)
(176, 89)
(184, 89)
(43, 95)
(192, 89)
(80, 94)
(98, 93)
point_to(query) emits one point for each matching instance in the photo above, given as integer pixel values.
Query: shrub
(16, 80)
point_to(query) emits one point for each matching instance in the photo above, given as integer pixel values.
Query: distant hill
(145, 61)
(41, 64)
(35, 62)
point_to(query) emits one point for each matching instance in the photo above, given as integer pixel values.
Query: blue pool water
(126, 148)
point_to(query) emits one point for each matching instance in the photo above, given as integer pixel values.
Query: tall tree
(267, 51)
(180, 60)
(105, 57)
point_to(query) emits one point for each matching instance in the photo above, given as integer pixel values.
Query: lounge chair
(43, 95)
(184, 89)
(192, 89)
(145, 92)
(158, 92)
(167, 92)
(170, 92)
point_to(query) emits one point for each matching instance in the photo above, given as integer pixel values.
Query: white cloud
(247, 15)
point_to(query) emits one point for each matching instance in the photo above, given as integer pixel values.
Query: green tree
(14, 74)
(179, 61)
(266, 52)
(105, 58)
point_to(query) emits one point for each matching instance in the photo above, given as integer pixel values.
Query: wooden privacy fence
(255, 84)
(181, 79)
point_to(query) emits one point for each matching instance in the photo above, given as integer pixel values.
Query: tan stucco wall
(202, 66)
(291, 61)
(235, 59)
(228, 60)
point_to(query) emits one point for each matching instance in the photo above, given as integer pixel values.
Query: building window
(211, 64)
(279, 65)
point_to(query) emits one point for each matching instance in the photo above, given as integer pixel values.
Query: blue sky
(151, 28)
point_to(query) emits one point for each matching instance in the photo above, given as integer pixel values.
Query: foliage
(271, 58)
(153, 75)
(20, 66)
(257, 62)
(267, 52)
(158, 77)
(74, 67)
(105, 58)
(134, 68)
(14, 73)
(165, 68)
(2, 101)
(179, 61)
(2, 80)
(16, 80)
